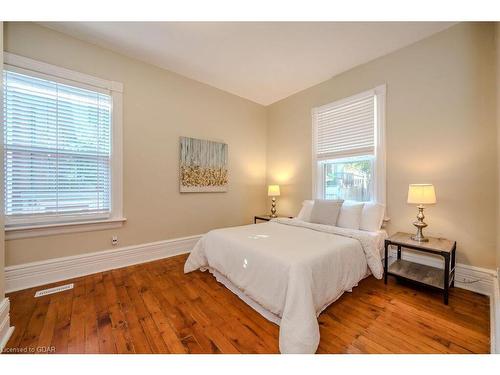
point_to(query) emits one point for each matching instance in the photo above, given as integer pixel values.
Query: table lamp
(273, 191)
(421, 194)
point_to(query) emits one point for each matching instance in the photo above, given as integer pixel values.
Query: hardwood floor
(155, 308)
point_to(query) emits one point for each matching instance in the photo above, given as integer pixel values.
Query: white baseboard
(28, 275)
(475, 279)
(5, 328)
(23, 276)
(495, 315)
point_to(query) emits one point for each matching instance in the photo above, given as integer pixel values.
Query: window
(348, 148)
(61, 161)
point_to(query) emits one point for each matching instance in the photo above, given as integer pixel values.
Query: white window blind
(346, 128)
(57, 150)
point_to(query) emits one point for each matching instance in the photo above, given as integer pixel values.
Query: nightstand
(436, 278)
(267, 218)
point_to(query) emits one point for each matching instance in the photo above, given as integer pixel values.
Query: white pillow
(305, 211)
(372, 216)
(350, 215)
(326, 211)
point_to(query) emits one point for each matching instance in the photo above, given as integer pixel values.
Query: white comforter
(292, 268)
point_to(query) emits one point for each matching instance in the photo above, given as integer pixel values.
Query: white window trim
(40, 69)
(13, 233)
(379, 185)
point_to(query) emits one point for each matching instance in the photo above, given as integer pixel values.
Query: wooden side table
(266, 218)
(422, 274)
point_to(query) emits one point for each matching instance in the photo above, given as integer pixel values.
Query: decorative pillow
(350, 215)
(372, 216)
(305, 211)
(326, 211)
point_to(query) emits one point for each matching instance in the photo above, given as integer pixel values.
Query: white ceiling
(260, 61)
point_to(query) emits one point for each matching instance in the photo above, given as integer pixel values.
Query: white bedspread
(292, 268)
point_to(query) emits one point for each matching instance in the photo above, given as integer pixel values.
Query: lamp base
(273, 208)
(419, 236)
(419, 239)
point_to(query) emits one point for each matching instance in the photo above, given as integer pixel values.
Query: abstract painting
(203, 165)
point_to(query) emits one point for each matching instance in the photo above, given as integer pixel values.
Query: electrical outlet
(466, 280)
(114, 240)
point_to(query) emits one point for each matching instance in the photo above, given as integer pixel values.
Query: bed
(289, 270)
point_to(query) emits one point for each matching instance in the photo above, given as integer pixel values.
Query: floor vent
(57, 289)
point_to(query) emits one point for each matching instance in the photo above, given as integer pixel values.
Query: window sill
(14, 233)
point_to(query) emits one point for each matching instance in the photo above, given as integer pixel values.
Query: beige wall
(159, 106)
(440, 129)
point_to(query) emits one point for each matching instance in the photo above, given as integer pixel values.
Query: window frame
(32, 226)
(379, 164)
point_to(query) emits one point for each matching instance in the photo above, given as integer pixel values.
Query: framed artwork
(203, 166)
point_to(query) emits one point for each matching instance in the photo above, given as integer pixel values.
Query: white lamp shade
(421, 194)
(273, 190)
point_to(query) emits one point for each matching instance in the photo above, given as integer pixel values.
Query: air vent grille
(57, 289)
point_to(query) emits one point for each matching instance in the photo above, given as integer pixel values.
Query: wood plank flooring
(155, 308)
